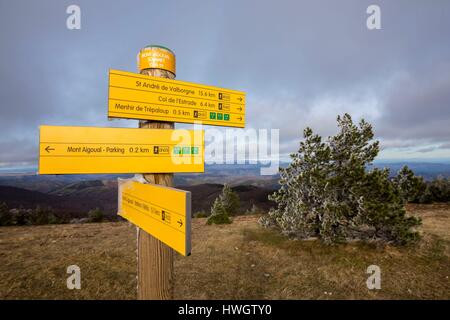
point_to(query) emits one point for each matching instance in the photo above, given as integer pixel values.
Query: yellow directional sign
(137, 96)
(84, 150)
(163, 212)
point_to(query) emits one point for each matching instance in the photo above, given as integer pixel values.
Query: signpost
(154, 258)
(136, 96)
(83, 150)
(162, 214)
(160, 211)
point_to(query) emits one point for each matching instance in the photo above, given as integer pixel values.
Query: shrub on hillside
(226, 204)
(327, 192)
(253, 210)
(411, 187)
(230, 200)
(21, 216)
(6, 218)
(95, 215)
(218, 215)
(42, 215)
(200, 214)
(439, 189)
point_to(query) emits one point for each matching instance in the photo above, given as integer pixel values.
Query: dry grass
(237, 261)
(35, 259)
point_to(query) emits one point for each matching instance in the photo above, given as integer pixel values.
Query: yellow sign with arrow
(136, 96)
(163, 212)
(85, 150)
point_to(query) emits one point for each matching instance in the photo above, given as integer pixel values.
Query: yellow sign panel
(84, 150)
(156, 57)
(163, 212)
(136, 96)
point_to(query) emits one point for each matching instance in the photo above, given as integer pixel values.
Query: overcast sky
(301, 63)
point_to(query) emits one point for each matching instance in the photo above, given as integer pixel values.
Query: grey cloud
(445, 146)
(427, 149)
(300, 62)
(18, 152)
(418, 106)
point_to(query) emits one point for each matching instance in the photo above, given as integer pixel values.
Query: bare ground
(237, 261)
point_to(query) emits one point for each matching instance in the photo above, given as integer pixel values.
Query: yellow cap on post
(156, 57)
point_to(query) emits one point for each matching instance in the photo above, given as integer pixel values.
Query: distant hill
(427, 170)
(76, 199)
(16, 197)
(75, 204)
(50, 183)
(75, 195)
(233, 174)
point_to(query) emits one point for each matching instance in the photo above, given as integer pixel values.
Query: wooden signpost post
(155, 259)
(162, 214)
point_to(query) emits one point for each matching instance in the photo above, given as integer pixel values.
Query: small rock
(236, 248)
(252, 265)
(266, 275)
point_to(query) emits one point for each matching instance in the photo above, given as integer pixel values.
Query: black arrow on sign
(240, 108)
(240, 99)
(240, 118)
(180, 222)
(48, 149)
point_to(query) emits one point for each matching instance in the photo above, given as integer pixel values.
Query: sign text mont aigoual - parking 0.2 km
(92, 150)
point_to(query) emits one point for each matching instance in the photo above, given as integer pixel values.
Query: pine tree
(327, 192)
(6, 218)
(229, 199)
(95, 215)
(253, 210)
(219, 215)
(226, 203)
(411, 186)
(440, 189)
